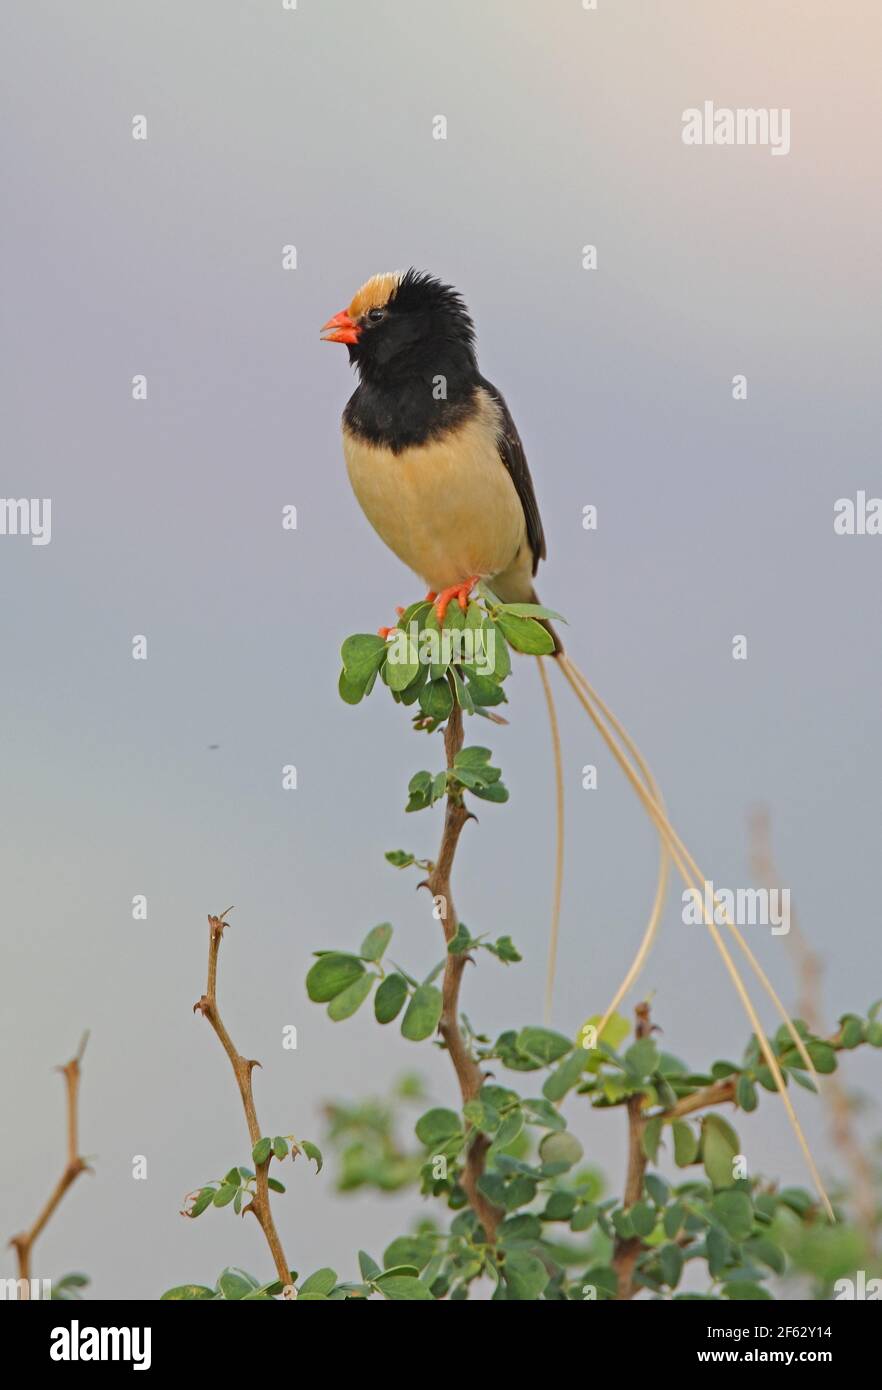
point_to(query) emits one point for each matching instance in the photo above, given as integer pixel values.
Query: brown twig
(468, 1073)
(242, 1069)
(809, 972)
(23, 1244)
(627, 1249)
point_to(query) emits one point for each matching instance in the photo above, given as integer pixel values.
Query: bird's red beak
(340, 329)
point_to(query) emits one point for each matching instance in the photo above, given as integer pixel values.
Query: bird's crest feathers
(375, 293)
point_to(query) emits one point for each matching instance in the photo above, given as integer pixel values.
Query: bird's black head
(400, 326)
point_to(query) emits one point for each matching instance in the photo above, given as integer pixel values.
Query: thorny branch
(242, 1069)
(23, 1244)
(468, 1073)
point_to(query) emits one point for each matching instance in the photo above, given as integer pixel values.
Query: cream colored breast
(448, 508)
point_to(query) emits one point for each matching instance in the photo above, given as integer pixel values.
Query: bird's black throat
(413, 402)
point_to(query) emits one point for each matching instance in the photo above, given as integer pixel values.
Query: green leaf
(670, 1259)
(851, 1031)
(312, 1151)
(463, 698)
(201, 1202)
(642, 1058)
(761, 1248)
(734, 1211)
(422, 1014)
(331, 974)
(484, 689)
(411, 693)
(516, 1230)
(389, 998)
(651, 1137)
(519, 1192)
(501, 654)
(322, 1281)
(345, 1004)
(460, 941)
(642, 1216)
(367, 1266)
(408, 1250)
(505, 949)
(261, 1151)
(187, 1291)
(560, 1147)
(236, 1283)
(584, 1218)
(567, 1075)
(823, 1057)
(624, 1226)
(473, 756)
(541, 1112)
(280, 1147)
(419, 791)
(224, 1195)
(494, 791)
(376, 941)
(743, 1290)
(560, 1206)
(400, 858)
(719, 1145)
(401, 1288)
(616, 1030)
(745, 1092)
(437, 1125)
(482, 1116)
(718, 1249)
(673, 1219)
(525, 634)
(436, 698)
(362, 656)
(543, 1044)
(531, 610)
(353, 692)
(509, 1130)
(402, 661)
(685, 1144)
(657, 1189)
(797, 1199)
(525, 1275)
(275, 1185)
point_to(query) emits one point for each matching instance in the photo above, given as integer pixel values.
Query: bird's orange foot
(460, 592)
(384, 631)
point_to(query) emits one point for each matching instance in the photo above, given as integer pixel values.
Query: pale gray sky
(163, 257)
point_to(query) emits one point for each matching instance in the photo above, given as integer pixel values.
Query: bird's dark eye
(376, 315)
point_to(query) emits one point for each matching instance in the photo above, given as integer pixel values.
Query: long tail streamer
(672, 847)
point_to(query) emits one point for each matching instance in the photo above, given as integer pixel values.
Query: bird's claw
(460, 592)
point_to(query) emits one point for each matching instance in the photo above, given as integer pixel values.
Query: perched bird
(433, 454)
(438, 467)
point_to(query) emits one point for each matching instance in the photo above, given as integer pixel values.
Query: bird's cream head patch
(375, 293)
